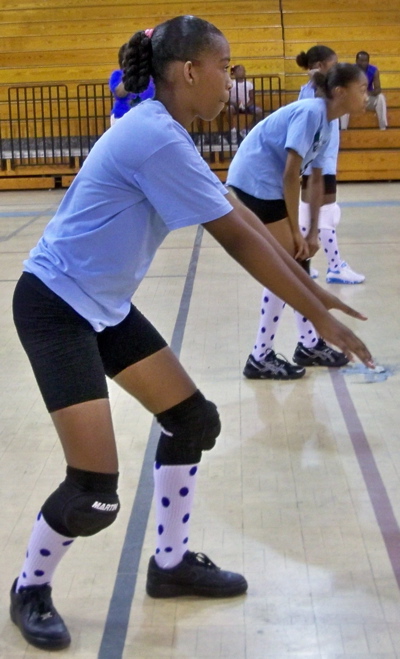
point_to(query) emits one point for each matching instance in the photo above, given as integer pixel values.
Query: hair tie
(149, 32)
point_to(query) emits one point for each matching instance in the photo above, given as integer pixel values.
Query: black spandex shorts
(329, 183)
(268, 210)
(69, 359)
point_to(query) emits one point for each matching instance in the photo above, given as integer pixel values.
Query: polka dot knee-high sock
(328, 238)
(45, 550)
(174, 487)
(306, 331)
(271, 311)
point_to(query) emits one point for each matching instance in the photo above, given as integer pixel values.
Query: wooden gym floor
(301, 492)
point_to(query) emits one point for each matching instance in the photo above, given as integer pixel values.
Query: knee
(188, 428)
(329, 216)
(84, 504)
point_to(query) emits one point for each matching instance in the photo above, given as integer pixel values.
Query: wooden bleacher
(53, 43)
(366, 153)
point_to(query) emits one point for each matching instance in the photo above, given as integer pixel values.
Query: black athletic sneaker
(194, 575)
(320, 355)
(272, 367)
(33, 612)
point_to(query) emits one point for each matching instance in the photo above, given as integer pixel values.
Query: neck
(334, 109)
(175, 106)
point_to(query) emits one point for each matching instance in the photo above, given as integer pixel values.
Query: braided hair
(180, 39)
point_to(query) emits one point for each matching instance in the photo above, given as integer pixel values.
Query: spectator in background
(124, 100)
(242, 100)
(376, 100)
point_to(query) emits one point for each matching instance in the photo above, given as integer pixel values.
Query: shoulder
(373, 69)
(309, 106)
(145, 131)
(307, 91)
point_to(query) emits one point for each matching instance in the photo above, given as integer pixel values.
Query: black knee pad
(188, 429)
(84, 504)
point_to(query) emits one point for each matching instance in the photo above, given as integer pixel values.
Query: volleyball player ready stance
(264, 174)
(73, 312)
(322, 58)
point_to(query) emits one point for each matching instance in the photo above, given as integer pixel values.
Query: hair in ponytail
(181, 39)
(314, 55)
(340, 75)
(137, 63)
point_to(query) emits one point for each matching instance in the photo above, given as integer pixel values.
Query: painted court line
(376, 489)
(116, 626)
(365, 204)
(34, 217)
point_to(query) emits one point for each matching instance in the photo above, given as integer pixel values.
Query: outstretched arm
(316, 192)
(328, 300)
(245, 238)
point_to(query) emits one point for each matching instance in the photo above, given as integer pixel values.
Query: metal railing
(49, 124)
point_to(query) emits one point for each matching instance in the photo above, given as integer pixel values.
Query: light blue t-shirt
(143, 178)
(331, 155)
(260, 161)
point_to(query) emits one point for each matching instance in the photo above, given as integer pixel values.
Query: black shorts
(69, 359)
(268, 210)
(329, 183)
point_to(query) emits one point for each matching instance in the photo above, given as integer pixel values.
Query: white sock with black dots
(174, 487)
(45, 550)
(328, 238)
(306, 330)
(271, 311)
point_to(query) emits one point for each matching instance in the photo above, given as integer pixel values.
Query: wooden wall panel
(78, 40)
(338, 18)
(346, 48)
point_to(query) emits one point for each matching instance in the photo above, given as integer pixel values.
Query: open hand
(341, 336)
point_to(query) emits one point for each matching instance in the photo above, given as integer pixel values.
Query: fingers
(299, 256)
(351, 312)
(361, 351)
(341, 336)
(351, 345)
(302, 253)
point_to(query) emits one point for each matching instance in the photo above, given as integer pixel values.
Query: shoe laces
(276, 357)
(202, 560)
(323, 349)
(39, 597)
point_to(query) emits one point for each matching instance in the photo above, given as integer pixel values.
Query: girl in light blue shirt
(322, 58)
(75, 318)
(264, 174)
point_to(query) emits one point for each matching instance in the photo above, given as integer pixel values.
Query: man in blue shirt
(376, 100)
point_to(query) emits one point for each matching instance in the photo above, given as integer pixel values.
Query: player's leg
(381, 111)
(63, 351)
(263, 363)
(138, 359)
